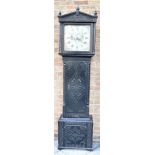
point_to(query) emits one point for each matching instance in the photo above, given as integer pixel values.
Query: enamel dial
(77, 38)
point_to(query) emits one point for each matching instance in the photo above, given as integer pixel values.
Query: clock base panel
(75, 133)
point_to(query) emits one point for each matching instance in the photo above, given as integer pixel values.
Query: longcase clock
(76, 46)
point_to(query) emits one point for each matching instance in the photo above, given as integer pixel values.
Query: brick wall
(88, 6)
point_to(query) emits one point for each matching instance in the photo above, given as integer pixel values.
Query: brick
(80, 2)
(96, 109)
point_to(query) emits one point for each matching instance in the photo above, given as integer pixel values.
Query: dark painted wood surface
(75, 126)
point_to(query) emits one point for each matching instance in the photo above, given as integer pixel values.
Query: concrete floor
(96, 150)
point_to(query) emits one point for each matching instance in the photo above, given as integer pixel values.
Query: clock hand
(79, 39)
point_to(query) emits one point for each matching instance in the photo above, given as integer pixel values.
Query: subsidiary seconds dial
(77, 38)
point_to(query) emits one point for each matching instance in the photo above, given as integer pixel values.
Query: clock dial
(77, 38)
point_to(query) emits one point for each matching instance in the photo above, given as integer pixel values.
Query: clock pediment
(77, 16)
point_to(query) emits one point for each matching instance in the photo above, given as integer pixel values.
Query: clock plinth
(77, 46)
(75, 133)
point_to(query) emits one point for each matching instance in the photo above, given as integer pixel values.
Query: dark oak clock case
(75, 125)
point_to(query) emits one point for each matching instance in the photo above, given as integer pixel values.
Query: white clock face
(77, 38)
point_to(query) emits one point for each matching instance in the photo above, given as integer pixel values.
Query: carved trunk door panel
(76, 88)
